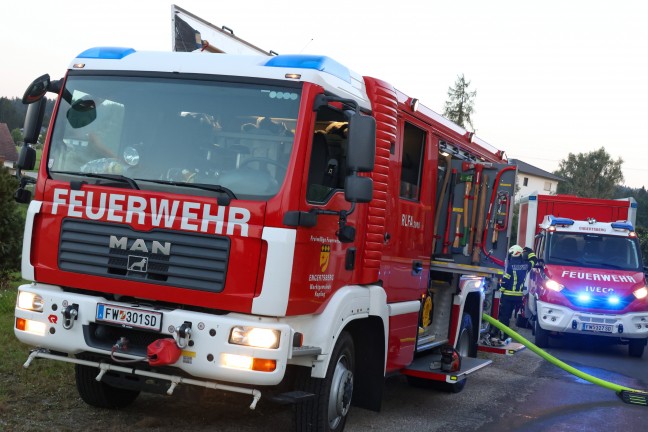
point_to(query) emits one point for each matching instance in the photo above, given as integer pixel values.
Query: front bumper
(202, 356)
(562, 319)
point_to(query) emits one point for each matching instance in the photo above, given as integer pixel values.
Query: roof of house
(524, 167)
(8, 150)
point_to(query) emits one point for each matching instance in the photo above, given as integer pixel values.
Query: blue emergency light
(320, 63)
(107, 53)
(553, 221)
(622, 225)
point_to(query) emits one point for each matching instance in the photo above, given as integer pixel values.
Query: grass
(43, 379)
(39, 154)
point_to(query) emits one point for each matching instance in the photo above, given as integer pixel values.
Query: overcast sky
(552, 77)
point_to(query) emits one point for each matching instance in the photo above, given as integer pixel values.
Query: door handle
(417, 268)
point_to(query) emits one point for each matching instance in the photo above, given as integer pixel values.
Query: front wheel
(328, 410)
(541, 335)
(98, 393)
(636, 347)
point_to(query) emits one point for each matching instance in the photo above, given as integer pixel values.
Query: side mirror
(361, 152)
(36, 90)
(34, 121)
(27, 158)
(358, 189)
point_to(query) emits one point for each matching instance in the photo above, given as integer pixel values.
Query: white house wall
(534, 184)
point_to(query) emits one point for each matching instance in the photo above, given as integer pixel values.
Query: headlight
(641, 292)
(554, 286)
(30, 301)
(254, 336)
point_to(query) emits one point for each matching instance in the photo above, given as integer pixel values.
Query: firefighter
(512, 285)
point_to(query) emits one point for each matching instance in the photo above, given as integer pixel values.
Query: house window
(547, 186)
(525, 182)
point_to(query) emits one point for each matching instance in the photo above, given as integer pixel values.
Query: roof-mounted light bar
(106, 53)
(320, 63)
(554, 221)
(622, 226)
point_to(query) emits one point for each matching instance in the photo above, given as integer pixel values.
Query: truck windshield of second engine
(593, 250)
(162, 130)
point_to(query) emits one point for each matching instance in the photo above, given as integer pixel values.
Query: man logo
(325, 254)
(137, 263)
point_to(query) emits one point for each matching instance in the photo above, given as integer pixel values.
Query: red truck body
(535, 207)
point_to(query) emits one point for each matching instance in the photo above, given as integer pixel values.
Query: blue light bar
(553, 221)
(320, 63)
(108, 53)
(622, 225)
(584, 297)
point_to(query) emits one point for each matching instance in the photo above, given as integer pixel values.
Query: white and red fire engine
(590, 277)
(268, 225)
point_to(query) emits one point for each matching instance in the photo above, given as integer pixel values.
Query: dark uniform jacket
(516, 270)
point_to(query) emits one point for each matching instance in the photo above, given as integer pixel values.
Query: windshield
(164, 133)
(593, 250)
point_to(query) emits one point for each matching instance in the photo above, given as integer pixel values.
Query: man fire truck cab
(589, 279)
(275, 224)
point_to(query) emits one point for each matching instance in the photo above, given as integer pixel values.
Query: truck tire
(636, 347)
(466, 347)
(98, 393)
(541, 335)
(328, 410)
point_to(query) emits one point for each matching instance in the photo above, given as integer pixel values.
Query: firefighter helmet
(515, 251)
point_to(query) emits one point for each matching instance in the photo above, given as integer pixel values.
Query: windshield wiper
(203, 186)
(114, 177)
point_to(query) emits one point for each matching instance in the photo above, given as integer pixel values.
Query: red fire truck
(590, 277)
(269, 225)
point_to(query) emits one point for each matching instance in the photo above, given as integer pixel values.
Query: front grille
(162, 257)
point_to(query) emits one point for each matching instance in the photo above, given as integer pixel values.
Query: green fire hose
(627, 394)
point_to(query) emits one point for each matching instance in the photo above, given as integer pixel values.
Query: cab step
(422, 366)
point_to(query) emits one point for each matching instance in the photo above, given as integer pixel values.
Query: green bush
(642, 233)
(11, 225)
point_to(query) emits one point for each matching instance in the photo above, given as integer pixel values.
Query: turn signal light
(264, 365)
(29, 326)
(249, 363)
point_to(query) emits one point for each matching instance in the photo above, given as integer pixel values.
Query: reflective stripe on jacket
(516, 270)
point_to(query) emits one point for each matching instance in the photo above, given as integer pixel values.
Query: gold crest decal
(325, 254)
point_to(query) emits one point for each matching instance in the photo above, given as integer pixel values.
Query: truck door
(409, 208)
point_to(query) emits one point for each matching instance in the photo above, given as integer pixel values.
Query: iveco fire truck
(590, 278)
(273, 225)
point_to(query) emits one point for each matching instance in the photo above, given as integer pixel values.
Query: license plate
(599, 328)
(129, 317)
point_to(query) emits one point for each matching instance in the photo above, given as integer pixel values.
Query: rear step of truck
(510, 348)
(421, 368)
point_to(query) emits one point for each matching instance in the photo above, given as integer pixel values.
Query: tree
(16, 136)
(590, 175)
(9, 115)
(11, 225)
(459, 106)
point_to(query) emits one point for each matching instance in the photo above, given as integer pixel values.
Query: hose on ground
(553, 360)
